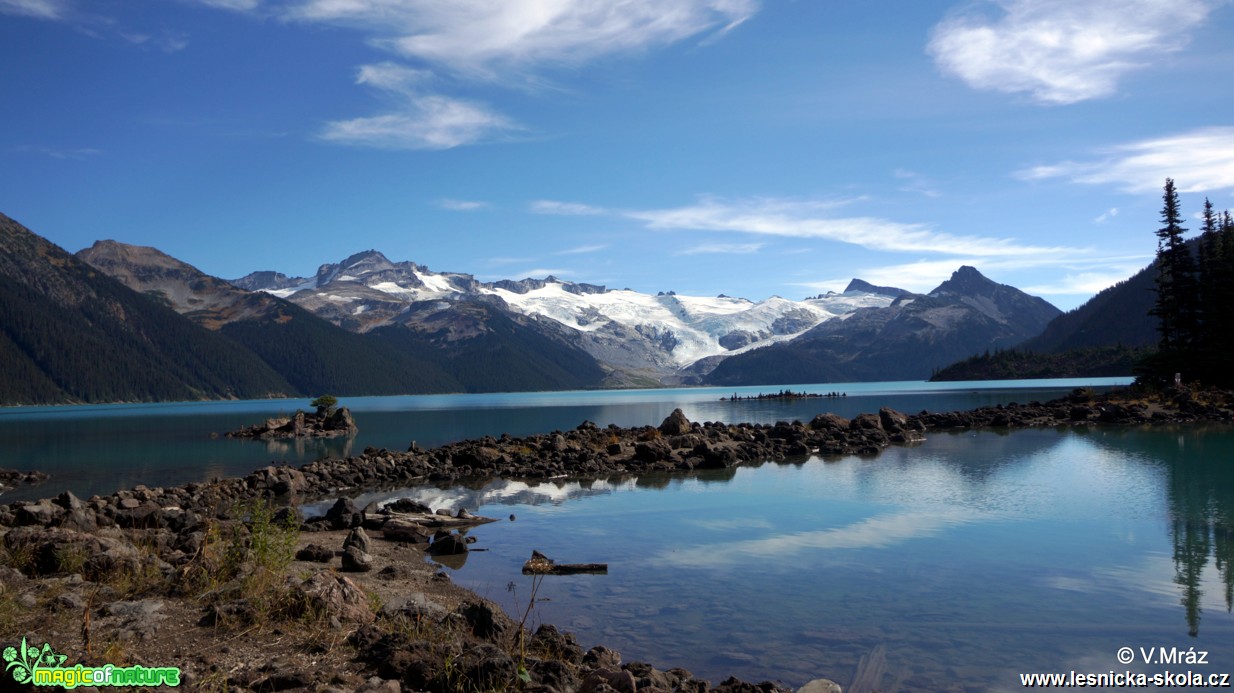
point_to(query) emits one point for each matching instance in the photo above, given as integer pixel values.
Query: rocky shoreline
(185, 576)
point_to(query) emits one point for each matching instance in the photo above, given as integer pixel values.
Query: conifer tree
(1209, 279)
(1176, 303)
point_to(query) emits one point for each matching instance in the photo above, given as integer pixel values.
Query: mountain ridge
(914, 335)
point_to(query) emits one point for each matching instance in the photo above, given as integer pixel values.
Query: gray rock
(675, 424)
(399, 529)
(356, 561)
(416, 605)
(449, 545)
(359, 539)
(821, 686)
(334, 596)
(482, 619)
(380, 685)
(601, 657)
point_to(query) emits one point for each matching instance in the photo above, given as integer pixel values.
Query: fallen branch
(539, 564)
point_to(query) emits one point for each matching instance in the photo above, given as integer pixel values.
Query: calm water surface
(103, 448)
(954, 565)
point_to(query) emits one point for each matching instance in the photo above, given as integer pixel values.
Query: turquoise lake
(953, 565)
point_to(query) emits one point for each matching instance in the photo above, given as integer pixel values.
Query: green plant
(246, 559)
(324, 404)
(71, 558)
(537, 579)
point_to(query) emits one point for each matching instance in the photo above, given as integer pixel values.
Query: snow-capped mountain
(649, 336)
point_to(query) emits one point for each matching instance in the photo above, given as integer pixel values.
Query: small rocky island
(11, 478)
(326, 422)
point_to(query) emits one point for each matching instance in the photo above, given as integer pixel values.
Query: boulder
(829, 422)
(620, 681)
(675, 424)
(482, 620)
(314, 553)
(821, 686)
(356, 560)
(341, 420)
(333, 596)
(407, 505)
(359, 539)
(344, 515)
(399, 529)
(866, 422)
(448, 545)
(892, 420)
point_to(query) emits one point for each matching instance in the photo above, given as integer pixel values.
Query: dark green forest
(1017, 363)
(1194, 301)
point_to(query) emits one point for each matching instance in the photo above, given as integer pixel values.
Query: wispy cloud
(84, 18)
(1106, 215)
(1086, 283)
(545, 272)
(1199, 161)
(511, 42)
(1085, 273)
(234, 5)
(1061, 51)
(78, 154)
(583, 249)
(167, 42)
(814, 219)
(916, 183)
(39, 9)
(482, 38)
(462, 205)
(723, 249)
(420, 120)
(573, 209)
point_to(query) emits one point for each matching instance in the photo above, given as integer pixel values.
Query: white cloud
(39, 9)
(511, 40)
(166, 42)
(1082, 283)
(1083, 273)
(234, 5)
(485, 37)
(582, 250)
(917, 183)
(78, 154)
(573, 209)
(1062, 51)
(462, 205)
(1199, 161)
(421, 120)
(1106, 215)
(723, 249)
(810, 219)
(544, 273)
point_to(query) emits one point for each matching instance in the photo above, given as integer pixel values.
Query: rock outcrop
(302, 425)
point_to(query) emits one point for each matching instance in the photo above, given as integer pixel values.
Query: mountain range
(368, 325)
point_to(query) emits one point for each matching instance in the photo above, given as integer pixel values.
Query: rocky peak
(966, 281)
(266, 280)
(866, 287)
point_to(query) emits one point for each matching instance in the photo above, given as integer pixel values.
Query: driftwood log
(539, 564)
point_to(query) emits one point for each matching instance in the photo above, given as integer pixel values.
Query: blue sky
(703, 146)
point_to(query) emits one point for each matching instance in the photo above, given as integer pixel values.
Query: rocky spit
(360, 609)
